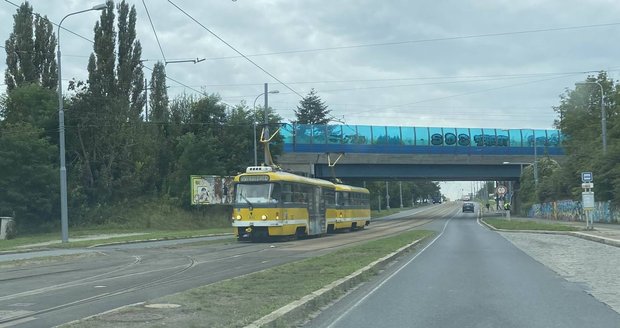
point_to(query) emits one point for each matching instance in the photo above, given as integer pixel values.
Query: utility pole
(387, 195)
(146, 103)
(400, 186)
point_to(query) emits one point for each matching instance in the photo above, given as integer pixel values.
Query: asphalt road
(468, 277)
(45, 292)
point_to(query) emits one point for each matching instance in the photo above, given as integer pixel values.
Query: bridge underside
(438, 167)
(438, 172)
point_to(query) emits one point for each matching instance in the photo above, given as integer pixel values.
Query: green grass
(516, 224)
(14, 244)
(384, 212)
(157, 219)
(242, 300)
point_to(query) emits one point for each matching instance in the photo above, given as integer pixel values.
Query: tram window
(330, 196)
(256, 193)
(287, 193)
(275, 193)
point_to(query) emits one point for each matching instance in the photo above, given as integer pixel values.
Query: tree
(580, 122)
(312, 110)
(35, 105)
(109, 143)
(159, 117)
(30, 51)
(160, 113)
(28, 175)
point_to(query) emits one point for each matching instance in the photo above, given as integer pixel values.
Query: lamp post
(254, 118)
(603, 114)
(64, 218)
(521, 168)
(535, 159)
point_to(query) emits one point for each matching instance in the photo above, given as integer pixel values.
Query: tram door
(316, 212)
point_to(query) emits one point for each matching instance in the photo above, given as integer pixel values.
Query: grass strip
(528, 225)
(240, 301)
(99, 238)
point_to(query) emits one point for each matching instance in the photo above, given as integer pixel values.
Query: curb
(158, 239)
(582, 235)
(598, 239)
(296, 310)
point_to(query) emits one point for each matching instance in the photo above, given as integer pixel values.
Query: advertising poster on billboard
(210, 189)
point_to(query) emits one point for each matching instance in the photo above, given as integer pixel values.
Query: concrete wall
(570, 210)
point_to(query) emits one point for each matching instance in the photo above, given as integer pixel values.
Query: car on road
(468, 207)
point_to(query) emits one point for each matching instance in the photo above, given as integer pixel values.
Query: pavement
(605, 233)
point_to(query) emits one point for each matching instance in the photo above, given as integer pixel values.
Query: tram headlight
(238, 216)
(264, 217)
(341, 215)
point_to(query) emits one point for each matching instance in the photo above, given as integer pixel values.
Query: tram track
(117, 292)
(242, 257)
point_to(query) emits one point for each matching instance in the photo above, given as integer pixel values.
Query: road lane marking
(345, 313)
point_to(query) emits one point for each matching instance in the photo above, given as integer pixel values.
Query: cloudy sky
(451, 63)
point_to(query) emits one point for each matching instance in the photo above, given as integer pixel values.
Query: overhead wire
(382, 44)
(235, 49)
(154, 31)
(53, 23)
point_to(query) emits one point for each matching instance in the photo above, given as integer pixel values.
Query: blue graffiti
(570, 210)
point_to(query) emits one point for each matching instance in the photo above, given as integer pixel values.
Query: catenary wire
(235, 49)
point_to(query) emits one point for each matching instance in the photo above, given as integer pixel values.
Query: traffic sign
(501, 190)
(587, 199)
(587, 185)
(586, 177)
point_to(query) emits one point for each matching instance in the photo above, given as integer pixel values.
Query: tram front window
(258, 193)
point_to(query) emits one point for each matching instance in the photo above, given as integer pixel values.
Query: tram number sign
(501, 190)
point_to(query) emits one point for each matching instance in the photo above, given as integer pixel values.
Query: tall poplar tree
(110, 141)
(159, 117)
(30, 51)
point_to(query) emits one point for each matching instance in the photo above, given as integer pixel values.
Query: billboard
(211, 189)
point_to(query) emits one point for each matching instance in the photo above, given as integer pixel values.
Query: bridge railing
(305, 134)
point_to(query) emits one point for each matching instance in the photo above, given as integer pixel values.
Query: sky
(452, 63)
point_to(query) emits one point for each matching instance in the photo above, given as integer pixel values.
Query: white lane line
(345, 313)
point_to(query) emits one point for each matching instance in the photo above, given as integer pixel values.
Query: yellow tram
(272, 203)
(352, 209)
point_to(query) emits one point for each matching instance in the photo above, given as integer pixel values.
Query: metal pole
(535, 159)
(603, 121)
(254, 125)
(266, 133)
(400, 187)
(64, 216)
(387, 195)
(254, 120)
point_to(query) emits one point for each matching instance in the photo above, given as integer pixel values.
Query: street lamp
(254, 120)
(64, 220)
(603, 115)
(521, 167)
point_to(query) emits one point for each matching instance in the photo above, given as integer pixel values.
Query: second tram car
(352, 209)
(270, 203)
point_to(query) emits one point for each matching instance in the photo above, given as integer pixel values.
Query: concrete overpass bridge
(403, 153)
